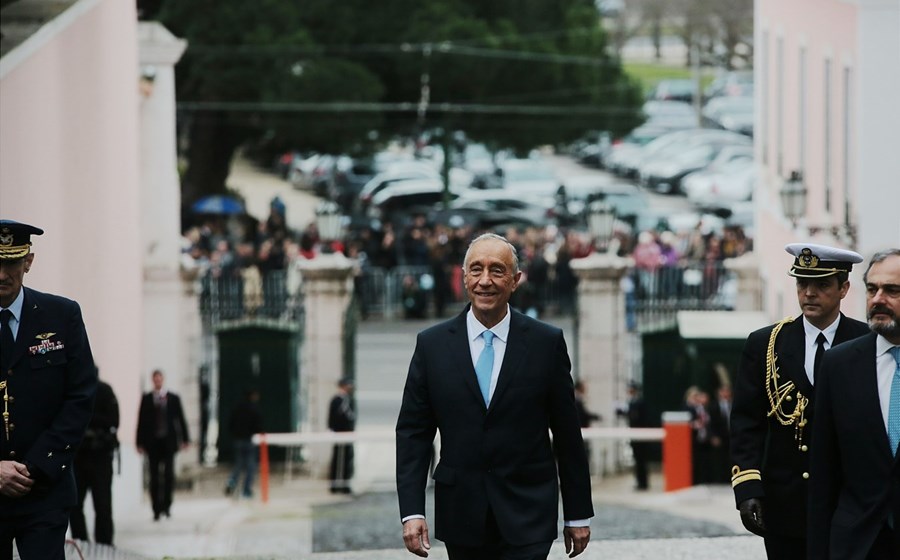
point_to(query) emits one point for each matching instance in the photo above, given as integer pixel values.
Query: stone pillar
(327, 287)
(749, 283)
(171, 330)
(602, 350)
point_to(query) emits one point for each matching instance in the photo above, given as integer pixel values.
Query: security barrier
(676, 457)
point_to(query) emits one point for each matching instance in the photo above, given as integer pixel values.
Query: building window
(827, 135)
(847, 131)
(801, 112)
(779, 108)
(764, 98)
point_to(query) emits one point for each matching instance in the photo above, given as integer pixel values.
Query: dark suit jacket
(499, 457)
(51, 382)
(855, 478)
(763, 443)
(177, 432)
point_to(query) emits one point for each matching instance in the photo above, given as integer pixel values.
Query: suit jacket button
(806, 475)
(12, 453)
(804, 448)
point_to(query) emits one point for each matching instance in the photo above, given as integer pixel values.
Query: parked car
(734, 83)
(670, 114)
(731, 113)
(665, 172)
(493, 207)
(729, 183)
(420, 195)
(628, 201)
(674, 90)
(460, 179)
(350, 175)
(526, 177)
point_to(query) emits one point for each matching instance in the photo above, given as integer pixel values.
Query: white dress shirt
(812, 333)
(476, 343)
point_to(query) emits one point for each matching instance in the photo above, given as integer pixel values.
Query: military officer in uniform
(773, 400)
(47, 385)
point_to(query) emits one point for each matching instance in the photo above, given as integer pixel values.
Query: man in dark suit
(342, 418)
(94, 467)
(495, 383)
(773, 396)
(47, 385)
(161, 432)
(854, 498)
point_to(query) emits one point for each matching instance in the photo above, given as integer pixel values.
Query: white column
(749, 283)
(171, 323)
(603, 352)
(327, 289)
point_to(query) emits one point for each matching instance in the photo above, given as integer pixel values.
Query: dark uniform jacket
(760, 442)
(51, 384)
(497, 457)
(855, 478)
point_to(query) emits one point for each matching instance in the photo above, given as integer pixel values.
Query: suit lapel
(792, 356)
(516, 350)
(866, 376)
(461, 355)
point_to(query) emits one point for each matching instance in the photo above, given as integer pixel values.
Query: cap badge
(807, 259)
(6, 238)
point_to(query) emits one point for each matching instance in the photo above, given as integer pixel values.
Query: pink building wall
(822, 30)
(69, 164)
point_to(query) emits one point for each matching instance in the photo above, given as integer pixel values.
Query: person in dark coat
(245, 420)
(161, 432)
(496, 383)
(772, 414)
(719, 419)
(854, 493)
(94, 467)
(638, 417)
(342, 418)
(47, 386)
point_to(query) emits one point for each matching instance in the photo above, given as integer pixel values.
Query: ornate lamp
(793, 197)
(601, 221)
(328, 222)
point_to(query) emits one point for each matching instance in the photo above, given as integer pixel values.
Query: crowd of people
(427, 257)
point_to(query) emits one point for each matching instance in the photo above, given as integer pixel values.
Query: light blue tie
(894, 407)
(485, 366)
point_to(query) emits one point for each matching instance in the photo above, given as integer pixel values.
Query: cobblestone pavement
(302, 521)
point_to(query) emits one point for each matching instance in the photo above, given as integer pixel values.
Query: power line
(446, 48)
(404, 107)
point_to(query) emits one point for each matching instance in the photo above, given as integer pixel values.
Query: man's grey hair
(877, 258)
(486, 236)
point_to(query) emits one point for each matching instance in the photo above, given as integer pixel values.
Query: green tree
(323, 75)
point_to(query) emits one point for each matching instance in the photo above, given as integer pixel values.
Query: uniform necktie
(894, 407)
(7, 343)
(485, 366)
(820, 349)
